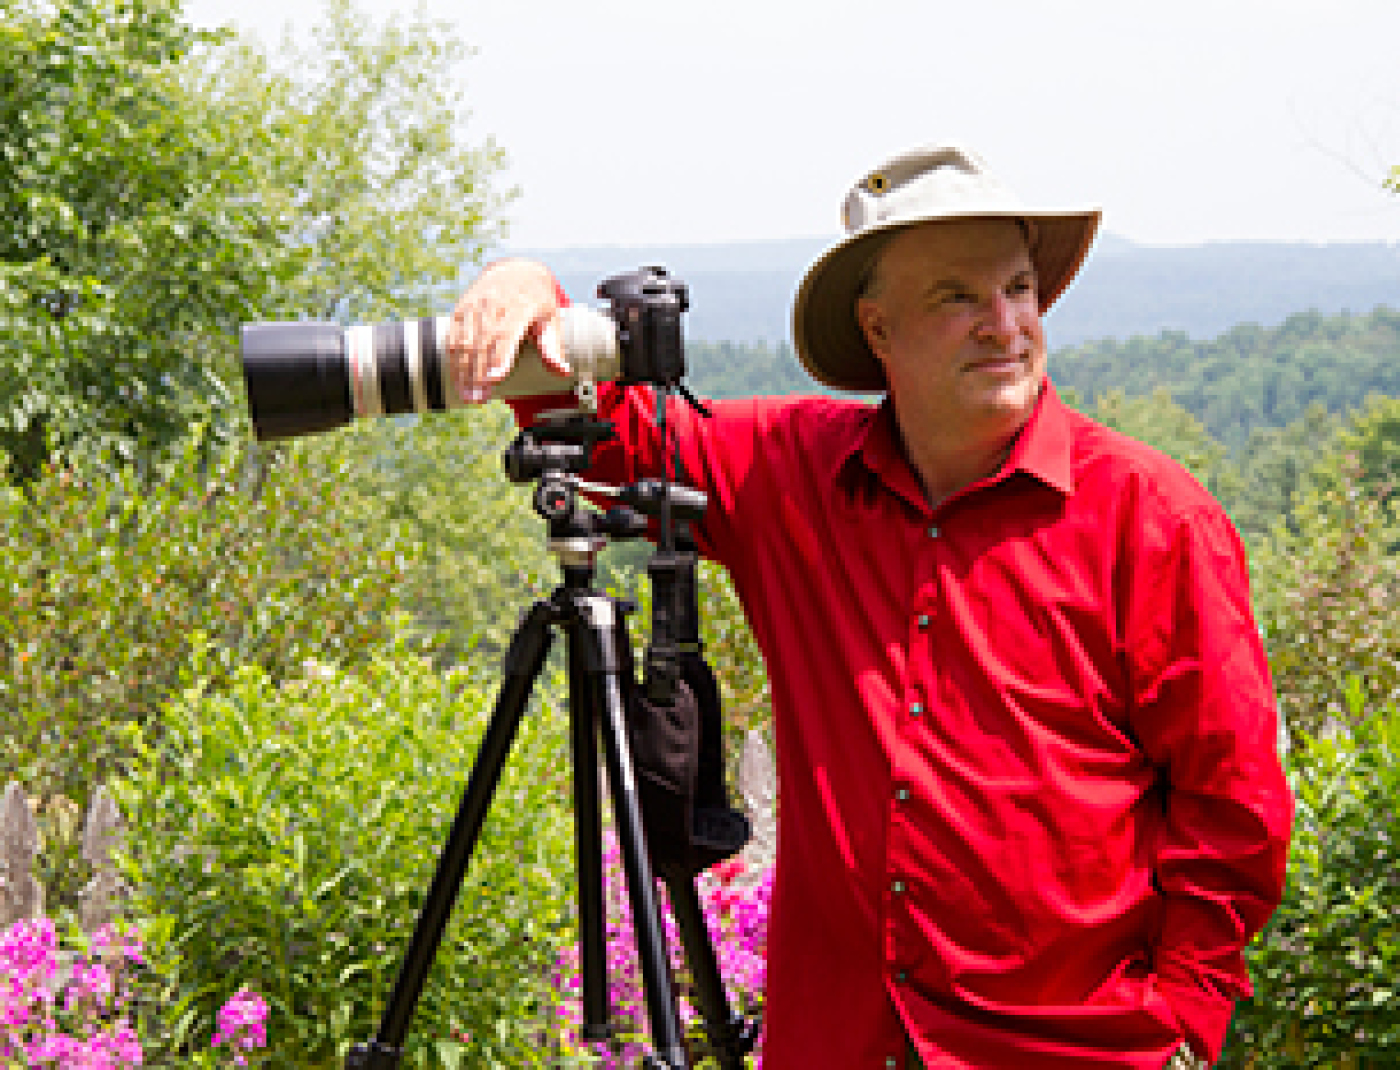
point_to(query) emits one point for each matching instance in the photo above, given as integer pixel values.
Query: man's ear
(874, 325)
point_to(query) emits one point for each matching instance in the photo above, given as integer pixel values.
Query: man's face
(954, 319)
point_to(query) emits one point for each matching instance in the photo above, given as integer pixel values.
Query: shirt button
(933, 531)
(902, 795)
(924, 620)
(897, 887)
(916, 708)
(891, 1063)
(902, 976)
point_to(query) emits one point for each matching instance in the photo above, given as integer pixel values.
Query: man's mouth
(1001, 362)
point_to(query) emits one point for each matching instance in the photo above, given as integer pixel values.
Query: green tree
(1275, 468)
(1325, 589)
(1249, 377)
(1373, 435)
(159, 185)
(1163, 424)
(122, 254)
(356, 160)
(108, 578)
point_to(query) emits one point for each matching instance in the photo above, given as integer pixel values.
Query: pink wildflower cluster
(736, 913)
(68, 1012)
(65, 1015)
(242, 1024)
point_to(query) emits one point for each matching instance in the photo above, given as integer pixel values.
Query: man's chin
(1014, 400)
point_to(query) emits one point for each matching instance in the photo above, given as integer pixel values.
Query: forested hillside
(1250, 377)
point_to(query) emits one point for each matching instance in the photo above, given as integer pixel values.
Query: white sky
(722, 120)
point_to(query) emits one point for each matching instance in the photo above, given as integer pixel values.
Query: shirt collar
(1042, 450)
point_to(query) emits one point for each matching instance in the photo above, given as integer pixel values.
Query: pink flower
(79, 1024)
(242, 1024)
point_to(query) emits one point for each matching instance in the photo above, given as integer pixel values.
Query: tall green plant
(284, 837)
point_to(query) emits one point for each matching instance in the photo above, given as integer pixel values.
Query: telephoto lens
(308, 377)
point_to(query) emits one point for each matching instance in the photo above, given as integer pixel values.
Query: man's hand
(511, 300)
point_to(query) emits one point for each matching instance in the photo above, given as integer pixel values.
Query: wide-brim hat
(927, 185)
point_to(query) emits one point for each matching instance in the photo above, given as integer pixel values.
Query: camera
(305, 377)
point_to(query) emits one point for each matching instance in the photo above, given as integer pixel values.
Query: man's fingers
(549, 339)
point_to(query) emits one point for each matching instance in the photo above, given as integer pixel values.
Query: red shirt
(1031, 807)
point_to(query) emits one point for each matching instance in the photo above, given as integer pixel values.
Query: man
(1032, 808)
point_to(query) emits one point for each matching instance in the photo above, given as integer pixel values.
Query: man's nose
(1000, 319)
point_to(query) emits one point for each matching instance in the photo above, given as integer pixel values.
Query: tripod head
(555, 451)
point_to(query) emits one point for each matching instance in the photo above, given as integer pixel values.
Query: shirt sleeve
(1205, 714)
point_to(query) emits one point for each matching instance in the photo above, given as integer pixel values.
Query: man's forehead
(961, 245)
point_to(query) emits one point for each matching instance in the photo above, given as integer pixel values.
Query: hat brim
(827, 335)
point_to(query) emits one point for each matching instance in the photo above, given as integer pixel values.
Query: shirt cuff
(1204, 1015)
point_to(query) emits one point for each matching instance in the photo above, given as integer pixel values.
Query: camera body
(647, 306)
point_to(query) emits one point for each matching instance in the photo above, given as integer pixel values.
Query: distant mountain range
(742, 292)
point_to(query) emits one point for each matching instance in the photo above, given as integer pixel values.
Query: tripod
(599, 679)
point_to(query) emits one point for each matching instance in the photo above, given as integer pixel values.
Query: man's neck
(947, 459)
(945, 472)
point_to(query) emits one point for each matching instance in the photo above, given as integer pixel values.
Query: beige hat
(922, 186)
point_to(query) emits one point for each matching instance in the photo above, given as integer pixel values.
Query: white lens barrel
(589, 337)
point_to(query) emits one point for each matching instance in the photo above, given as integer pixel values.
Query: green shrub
(283, 837)
(1326, 967)
(106, 575)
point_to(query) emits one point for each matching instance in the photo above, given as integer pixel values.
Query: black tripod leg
(523, 662)
(588, 846)
(598, 618)
(731, 1036)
